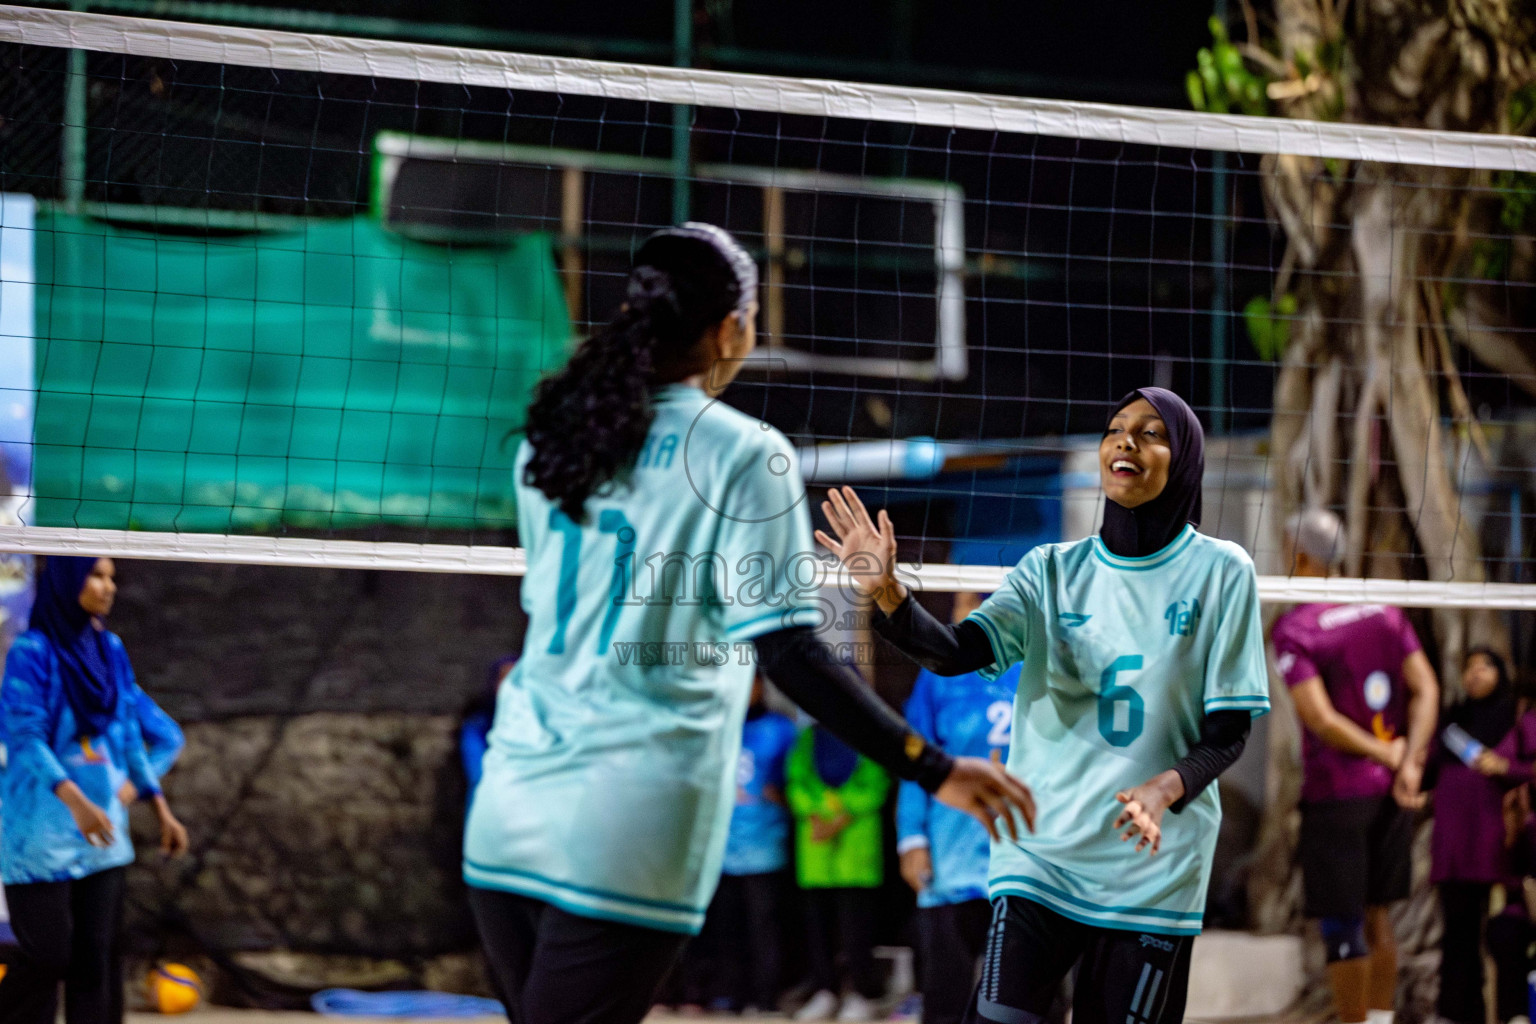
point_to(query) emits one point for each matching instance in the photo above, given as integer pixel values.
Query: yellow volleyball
(173, 988)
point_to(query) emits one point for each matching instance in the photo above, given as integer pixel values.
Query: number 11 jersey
(1121, 660)
(610, 772)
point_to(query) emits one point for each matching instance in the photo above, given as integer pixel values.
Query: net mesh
(282, 298)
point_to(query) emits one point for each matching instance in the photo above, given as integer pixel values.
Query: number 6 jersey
(1121, 658)
(610, 772)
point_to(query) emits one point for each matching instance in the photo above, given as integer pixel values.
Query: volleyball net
(280, 298)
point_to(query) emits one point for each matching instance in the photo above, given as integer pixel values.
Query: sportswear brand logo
(1166, 945)
(1073, 619)
(1183, 617)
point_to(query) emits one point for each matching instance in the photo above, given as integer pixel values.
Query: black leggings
(1123, 977)
(953, 936)
(551, 967)
(66, 931)
(842, 921)
(1464, 906)
(747, 944)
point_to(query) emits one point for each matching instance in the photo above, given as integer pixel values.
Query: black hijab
(80, 646)
(1490, 718)
(1147, 529)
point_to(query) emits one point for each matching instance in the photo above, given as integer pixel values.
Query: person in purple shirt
(1368, 699)
(1487, 748)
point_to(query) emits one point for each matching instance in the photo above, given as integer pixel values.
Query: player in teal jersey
(664, 532)
(1142, 662)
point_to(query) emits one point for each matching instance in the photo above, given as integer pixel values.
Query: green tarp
(334, 377)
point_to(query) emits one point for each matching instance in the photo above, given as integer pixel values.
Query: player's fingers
(1017, 795)
(835, 495)
(1124, 796)
(831, 545)
(857, 505)
(837, 512)
(887, 529)
(1004, 811)
(981, 813)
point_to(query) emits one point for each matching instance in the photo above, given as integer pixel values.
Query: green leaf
(1196, 92)
(1269, 324)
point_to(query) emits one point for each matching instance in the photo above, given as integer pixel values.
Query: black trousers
(1124, 977)
(66, 931)
(1465, 908)
(1509, 942)
(552, 967)
(952, 939)
(842, 921)
(750, 963)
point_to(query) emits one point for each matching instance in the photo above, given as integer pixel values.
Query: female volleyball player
(660, 527)
(1142, 661)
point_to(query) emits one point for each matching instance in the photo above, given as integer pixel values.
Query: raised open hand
(866, 549)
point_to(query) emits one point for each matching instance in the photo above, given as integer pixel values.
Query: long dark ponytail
(589, 419)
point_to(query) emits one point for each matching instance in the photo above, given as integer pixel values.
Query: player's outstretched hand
(984, 790)
(1142, 813)
(867, 549)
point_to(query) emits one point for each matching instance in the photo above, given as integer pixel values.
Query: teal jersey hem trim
(604, 894)
(1114, 923)
(1258, 705)
(1147, 562)
(583, 910)
(611, 908)
(1175, 915)
(786, 618)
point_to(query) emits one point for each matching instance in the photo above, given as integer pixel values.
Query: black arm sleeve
(836, 695)
(946, 650)
(1223, 735)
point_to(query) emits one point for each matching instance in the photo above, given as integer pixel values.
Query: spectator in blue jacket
(73, 731)
(163, 743)
(944, 853)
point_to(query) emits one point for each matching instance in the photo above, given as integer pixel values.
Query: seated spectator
(944, 854)
(1486, 749)
(836, 796)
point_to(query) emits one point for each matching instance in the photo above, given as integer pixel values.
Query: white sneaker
(820, 1006)
(1522, 1019)
(856, 1007)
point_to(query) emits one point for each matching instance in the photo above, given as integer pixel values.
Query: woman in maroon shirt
(1487, 747)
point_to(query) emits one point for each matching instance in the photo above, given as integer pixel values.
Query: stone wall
(321, 783)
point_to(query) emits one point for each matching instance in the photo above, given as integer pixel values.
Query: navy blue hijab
(1147, 529)
(80, 646)
(834, 759)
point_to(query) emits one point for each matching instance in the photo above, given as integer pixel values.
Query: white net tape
(381, 59)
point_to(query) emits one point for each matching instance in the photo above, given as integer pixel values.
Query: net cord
(380, 58)
(497, 560)
(394, 59)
